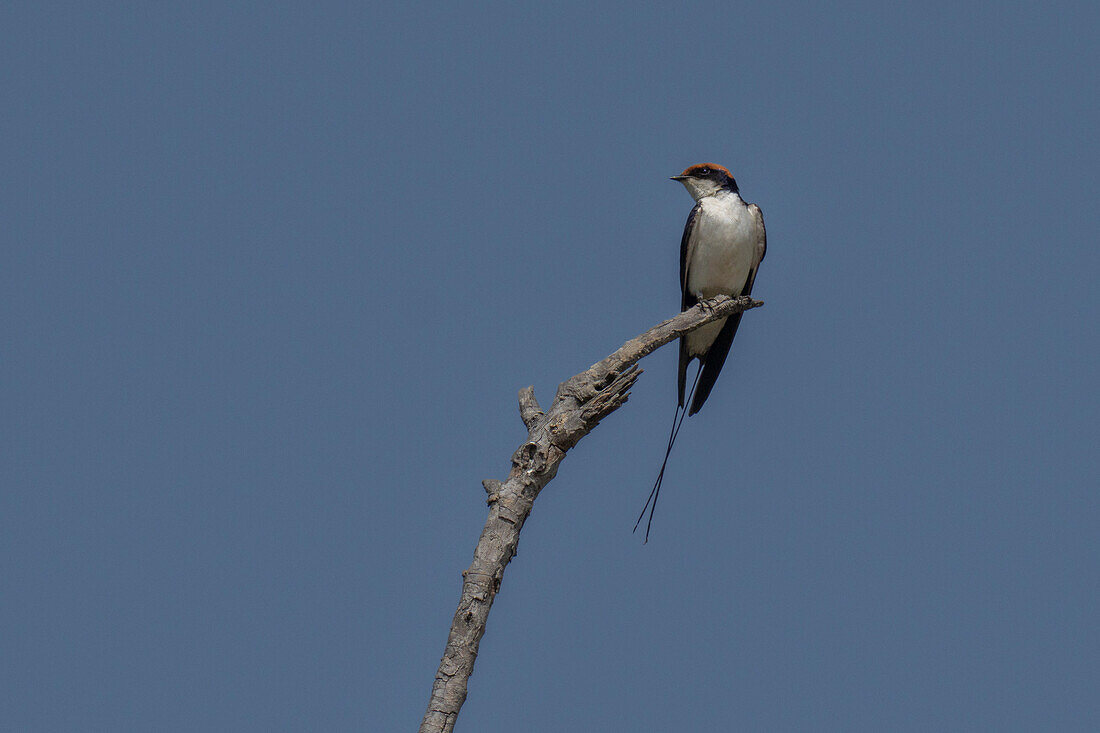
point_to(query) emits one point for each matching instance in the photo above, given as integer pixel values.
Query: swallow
(723, 244)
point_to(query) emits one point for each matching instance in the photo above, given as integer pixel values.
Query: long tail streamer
(677, 421)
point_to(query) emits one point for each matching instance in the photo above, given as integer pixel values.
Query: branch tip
(529, 410)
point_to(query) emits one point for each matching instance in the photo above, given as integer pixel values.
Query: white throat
(702, 188)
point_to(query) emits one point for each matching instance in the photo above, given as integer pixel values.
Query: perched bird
(720, 252)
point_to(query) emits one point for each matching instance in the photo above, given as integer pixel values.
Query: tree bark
(579, 405)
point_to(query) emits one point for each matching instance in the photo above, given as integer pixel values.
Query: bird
(723, 244)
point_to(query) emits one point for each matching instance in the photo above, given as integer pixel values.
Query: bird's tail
(677, 421)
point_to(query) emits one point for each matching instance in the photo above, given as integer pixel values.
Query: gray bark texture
(579, 405)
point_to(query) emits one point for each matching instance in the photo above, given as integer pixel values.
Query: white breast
(722, 249)
(723, 245)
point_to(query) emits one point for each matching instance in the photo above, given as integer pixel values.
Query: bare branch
(492, 488)
(529, 410)
(582, 401)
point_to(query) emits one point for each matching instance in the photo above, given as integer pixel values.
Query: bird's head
(706, 179)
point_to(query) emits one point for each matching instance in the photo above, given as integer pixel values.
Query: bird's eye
(704, 171)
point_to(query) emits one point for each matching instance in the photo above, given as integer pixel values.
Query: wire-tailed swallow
(721, 250)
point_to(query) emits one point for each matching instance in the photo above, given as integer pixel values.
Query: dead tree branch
(581, 402)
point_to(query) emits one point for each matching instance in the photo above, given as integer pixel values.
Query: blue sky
(273, 274)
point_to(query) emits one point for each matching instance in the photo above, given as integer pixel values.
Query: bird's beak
(677, 178)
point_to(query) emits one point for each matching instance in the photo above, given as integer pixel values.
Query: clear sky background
(272, 275)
